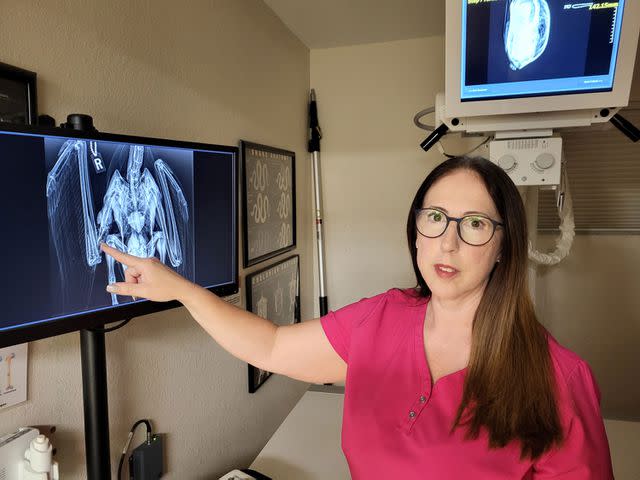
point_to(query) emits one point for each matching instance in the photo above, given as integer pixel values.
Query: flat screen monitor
(524, 48)
(544, 55)
(66, 191)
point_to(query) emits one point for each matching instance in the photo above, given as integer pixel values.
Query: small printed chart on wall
(274, 293)
(269, 203)
(13, 377)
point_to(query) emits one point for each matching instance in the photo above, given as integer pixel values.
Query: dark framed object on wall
(274, 293)
(268, 202)
(18, 99)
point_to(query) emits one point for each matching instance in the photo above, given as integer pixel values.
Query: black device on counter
(146, 460)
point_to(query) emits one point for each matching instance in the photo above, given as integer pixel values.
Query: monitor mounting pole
(94, 374)
(96, 408)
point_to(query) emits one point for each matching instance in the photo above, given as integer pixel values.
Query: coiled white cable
(567, 230)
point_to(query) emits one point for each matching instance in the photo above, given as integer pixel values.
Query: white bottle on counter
(37, 464)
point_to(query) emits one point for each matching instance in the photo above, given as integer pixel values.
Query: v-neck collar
(421, 352)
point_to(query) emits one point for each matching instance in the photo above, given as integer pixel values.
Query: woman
(454, 379)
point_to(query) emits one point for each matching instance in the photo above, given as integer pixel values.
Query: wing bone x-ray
(142, 214)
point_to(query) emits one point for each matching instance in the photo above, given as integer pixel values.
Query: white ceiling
(337, 23)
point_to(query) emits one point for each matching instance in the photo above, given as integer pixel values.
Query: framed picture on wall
(273, 293)
(18, 102)
(268, 202)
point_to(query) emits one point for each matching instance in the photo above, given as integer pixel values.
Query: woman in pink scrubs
(452, 379)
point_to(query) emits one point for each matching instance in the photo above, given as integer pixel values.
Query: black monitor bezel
(96, 319)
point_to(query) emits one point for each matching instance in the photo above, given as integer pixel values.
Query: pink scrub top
(396, 424)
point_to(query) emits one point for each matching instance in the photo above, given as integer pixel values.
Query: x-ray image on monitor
(66, 192)
(514, 48)
(135, 198)
(526, 31)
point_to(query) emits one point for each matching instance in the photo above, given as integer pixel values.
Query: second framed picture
(18, 102)
(274, 293)
(269, 202)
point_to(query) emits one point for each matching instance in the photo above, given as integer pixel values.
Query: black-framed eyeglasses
(474, 229)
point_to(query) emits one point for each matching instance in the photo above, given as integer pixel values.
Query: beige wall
(590, 303)
(372, 166)
(215, 71)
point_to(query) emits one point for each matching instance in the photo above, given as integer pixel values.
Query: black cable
(120, 466)
(111, 329)
(448, 155)
(126, 446)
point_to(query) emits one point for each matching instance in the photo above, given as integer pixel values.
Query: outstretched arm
(299, 351)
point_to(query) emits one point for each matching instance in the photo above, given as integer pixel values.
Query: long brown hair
(509, 387)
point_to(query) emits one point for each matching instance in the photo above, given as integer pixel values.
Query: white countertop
(306, 446)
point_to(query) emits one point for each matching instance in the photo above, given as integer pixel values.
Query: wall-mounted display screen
(65, 192)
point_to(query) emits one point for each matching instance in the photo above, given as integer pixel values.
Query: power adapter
(146, 460)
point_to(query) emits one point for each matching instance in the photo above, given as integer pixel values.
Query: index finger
(124, 258)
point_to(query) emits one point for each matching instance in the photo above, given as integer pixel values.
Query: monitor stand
(94, 375)
(96, 408)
